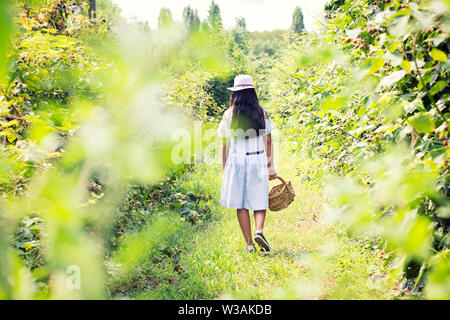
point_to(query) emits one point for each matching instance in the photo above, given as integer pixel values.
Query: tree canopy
(165, 18)
(191, 19)
(214, 16)
(298, 25)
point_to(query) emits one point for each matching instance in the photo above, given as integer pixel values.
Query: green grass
(309, 260)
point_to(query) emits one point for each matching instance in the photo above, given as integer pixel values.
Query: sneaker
(250, 248)
(261, 241)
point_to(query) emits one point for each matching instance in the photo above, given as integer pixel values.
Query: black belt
(255, 152)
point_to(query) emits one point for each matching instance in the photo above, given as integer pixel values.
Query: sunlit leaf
(406, 65)
(422, 122)
(333, 103)
(391, 79)
(377, 63)
(438, 55)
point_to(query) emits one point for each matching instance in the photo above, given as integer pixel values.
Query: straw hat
(242, 82)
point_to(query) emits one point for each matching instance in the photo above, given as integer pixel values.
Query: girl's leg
(244, 221)
(260, 218)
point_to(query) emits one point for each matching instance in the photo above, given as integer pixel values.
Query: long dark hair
(247, 113)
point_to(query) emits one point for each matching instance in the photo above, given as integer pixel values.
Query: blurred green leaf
(422, 122)
(6, 28)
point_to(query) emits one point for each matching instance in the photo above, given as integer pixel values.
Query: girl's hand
(272, 172)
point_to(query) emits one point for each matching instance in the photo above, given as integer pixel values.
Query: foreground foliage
(362, 108)
(76, 103)
(369, 95)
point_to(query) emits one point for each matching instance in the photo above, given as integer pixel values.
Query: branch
(10, 116)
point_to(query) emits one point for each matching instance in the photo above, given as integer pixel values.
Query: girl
(247, 159)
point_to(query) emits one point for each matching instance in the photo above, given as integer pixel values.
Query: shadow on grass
(284, 253)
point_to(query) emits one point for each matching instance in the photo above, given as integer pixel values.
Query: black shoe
(261, 241)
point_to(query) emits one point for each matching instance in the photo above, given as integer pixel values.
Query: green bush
(377, 76)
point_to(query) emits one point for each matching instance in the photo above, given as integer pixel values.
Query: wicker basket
(281, 195)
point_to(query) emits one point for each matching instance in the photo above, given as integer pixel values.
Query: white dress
(245, 178)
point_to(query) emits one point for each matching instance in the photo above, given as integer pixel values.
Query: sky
(260, 15)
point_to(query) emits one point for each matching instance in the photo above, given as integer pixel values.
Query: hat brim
(242, 88)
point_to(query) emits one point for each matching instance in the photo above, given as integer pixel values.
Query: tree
(191, 19)
(109, 11)
(240, 22)
(165, 18)
(241, 34)
(92, 9)
(238, 46)
(297, 21)
(214, 17)
(205, 26)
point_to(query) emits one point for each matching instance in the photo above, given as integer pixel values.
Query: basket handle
(281, 179)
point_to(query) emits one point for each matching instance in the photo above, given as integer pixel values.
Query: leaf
(414, 138)
(399, 24)
(412, 106)
(11, 123)
(439, 156)
(377, 63)
(406, 65)
(362, 111)
(438, 55)
(6, 28)
(444, 212)
(438, 87)
(385, 100)
(333, 103)
(439, 39)
(393, 58)
(422, 122)
(11, 137)
(441, 128)
(394, 46)
(405, 131)
(391, 79)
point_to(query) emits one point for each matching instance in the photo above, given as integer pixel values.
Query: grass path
(309, 260)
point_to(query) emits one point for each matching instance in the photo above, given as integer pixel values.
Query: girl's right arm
(269, 152)
(225, 146)
(270, 164)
